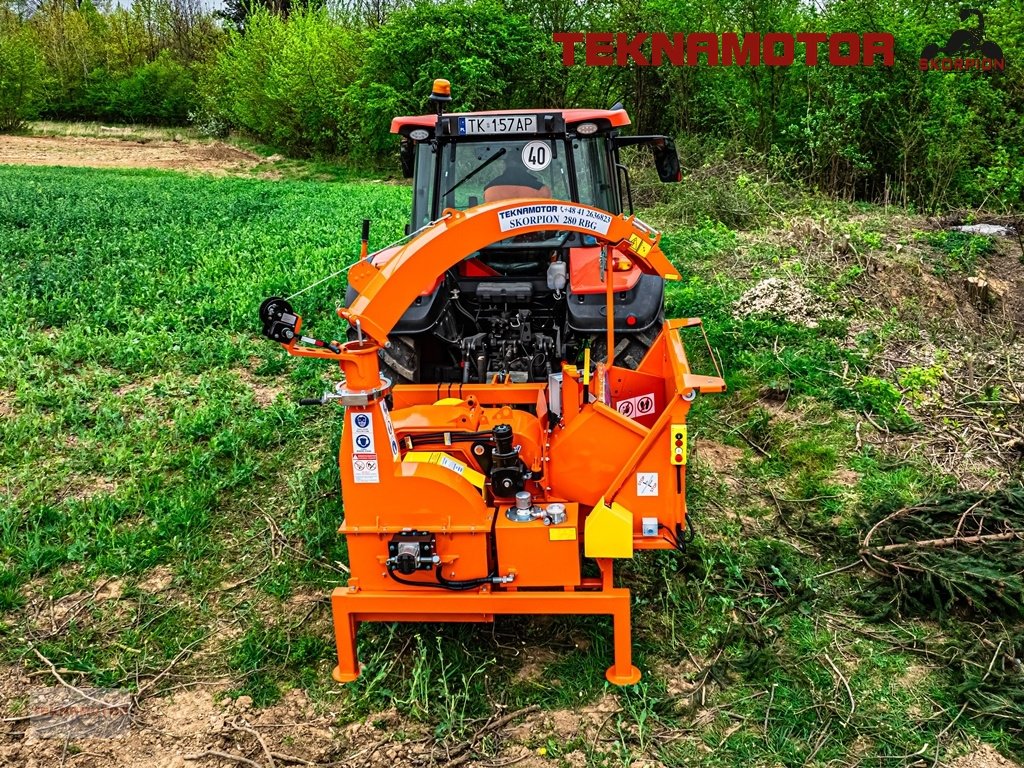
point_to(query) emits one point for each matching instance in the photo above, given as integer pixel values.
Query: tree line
(325, 79)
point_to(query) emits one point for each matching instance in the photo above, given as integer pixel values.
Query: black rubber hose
(691, 529)
(461, 585)
(455, 586)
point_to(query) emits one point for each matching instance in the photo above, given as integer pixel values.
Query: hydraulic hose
(455, 586)
(463, 585)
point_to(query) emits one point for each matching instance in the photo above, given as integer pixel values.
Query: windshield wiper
(476, 170)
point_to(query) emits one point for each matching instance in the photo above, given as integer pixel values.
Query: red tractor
(520, 307)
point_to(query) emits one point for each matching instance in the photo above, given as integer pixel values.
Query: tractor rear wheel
(401, 361)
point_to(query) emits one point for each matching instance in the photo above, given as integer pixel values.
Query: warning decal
(639, 246)
(555, 214)
(449, 463)
(646, 483)
(391, 430)
(364, 468)
(364, 454)
(362, 433)
(634, 407)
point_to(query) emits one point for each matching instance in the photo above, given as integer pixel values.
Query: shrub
(21, 70)
(162, 91)
(494, 58)
(284, 80)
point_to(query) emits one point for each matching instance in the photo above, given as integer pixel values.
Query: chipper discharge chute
(484, 491)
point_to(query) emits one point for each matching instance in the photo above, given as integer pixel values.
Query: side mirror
(407, 155)
(666, 161)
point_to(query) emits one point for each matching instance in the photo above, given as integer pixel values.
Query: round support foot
(345, 677)
(614, 679)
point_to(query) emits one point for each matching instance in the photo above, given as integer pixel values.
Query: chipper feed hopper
(483, 495)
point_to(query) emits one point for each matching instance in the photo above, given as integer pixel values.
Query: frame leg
(622, 672)
(345, 628)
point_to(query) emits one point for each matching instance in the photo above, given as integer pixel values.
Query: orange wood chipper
(496, 439)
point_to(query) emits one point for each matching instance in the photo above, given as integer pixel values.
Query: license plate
(498, 124)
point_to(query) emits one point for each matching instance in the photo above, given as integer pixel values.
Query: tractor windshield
(472, 172)
(488, 171)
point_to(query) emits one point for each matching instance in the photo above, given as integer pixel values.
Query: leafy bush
(962, 249)
(494, 59)
(284, 81)
(161, 92)
(882, 398)
(20, 73)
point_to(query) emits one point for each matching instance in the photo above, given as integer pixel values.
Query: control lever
(322, 344)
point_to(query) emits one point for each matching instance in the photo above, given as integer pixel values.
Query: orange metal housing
(540, 555)
(614, 469)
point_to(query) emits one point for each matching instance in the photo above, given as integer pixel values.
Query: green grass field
(149, 436)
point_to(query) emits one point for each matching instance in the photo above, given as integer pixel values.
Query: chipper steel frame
(467, 501)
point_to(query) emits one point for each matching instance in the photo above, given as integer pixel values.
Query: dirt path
(76, 151)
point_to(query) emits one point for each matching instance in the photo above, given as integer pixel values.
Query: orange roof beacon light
(514, 402)
(441, 95)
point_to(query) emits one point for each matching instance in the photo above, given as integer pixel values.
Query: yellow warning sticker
(446, 461)
(639, 246)
(561, 534)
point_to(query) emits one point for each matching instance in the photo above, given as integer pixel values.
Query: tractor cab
(521, 306)
(464, 159)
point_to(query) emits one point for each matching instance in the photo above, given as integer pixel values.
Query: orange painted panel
(540, 555)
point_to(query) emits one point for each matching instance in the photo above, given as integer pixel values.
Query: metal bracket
(347, 397)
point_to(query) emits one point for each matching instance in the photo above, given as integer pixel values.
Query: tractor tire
(630, 349)
(401, 361)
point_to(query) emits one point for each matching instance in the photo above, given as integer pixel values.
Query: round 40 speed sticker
(537, 155)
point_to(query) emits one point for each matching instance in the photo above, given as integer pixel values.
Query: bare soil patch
(265, 390)
(983, 757)
(6, 403)
(157, 580)
(78, 151)
(85, 487)
(194, 723)
(723, 459)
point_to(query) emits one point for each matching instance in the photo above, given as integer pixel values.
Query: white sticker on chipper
(452, 464)
(364, 468)
(634, 407)
(362, 432)
(554, 215)
(391, 430)
(646, 483)
(537, 155)
(364, 453)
